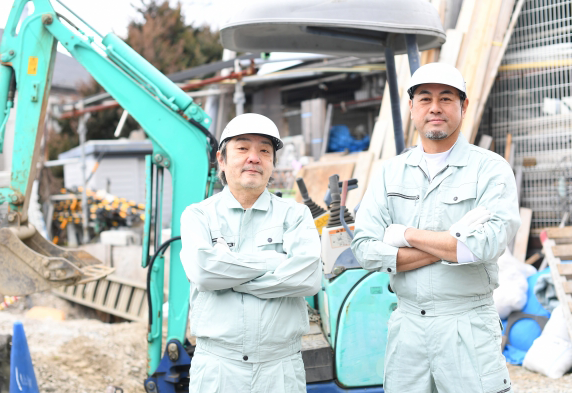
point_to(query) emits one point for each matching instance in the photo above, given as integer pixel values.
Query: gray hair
(222, 176)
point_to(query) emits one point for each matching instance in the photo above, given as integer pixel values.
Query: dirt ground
(84, 355)
(80, 355)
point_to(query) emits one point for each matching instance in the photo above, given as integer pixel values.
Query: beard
(436, 135)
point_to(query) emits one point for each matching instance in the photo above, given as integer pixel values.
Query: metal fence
(532, 100)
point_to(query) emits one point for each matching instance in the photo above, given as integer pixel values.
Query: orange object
(38, 312)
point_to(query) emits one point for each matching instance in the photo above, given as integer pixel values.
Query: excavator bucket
(29, 263)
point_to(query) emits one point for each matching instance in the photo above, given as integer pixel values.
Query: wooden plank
(451, 48)
(486, 142)
(554, 263)
(507, 146)
(100, 292)
(559, 233)
(112, 293)
(567, 285)
(316, 176)
(565, 269)
(361, 173)
(533, 259)
(109, 310)
(90, 290)
(327, 126)
(338, 156)
(564, 252)
(124, 298)
(136, 302)
(492, 68)
(477, 59)
(521, 239)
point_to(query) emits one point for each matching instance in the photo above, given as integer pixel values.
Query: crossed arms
(264, 274)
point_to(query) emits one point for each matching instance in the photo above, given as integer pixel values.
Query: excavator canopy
(334, 27)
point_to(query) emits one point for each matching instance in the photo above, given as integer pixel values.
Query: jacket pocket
(402, 204)
(456, 202)
(497, 381)
(269, 239)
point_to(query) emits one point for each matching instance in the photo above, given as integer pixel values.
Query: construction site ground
(82, 354)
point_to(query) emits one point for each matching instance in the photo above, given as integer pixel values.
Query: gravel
(84, 355)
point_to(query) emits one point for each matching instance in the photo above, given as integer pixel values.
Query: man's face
(249, 162)
(436, 110)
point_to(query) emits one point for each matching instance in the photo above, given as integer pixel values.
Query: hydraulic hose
(159, 251)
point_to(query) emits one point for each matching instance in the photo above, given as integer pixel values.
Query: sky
(114, 15)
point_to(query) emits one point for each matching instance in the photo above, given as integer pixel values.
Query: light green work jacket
(247, 302)
(403, 194)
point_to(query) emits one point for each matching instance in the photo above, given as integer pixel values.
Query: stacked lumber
(561, 272)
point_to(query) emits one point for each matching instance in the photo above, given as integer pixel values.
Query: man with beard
(251, 258)
(436, 221)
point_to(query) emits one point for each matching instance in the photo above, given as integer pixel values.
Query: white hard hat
(441, 73)
(252, 123)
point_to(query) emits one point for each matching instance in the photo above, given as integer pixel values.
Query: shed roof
(110, 147)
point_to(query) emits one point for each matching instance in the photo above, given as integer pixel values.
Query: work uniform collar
(262, 203)
(459, 154)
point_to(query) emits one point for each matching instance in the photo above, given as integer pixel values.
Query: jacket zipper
(395, 194)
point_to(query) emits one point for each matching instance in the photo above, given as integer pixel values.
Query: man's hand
(221, 245)
(474, 218)
(395, 236)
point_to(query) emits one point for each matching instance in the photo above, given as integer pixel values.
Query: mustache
(428, 119)
(253, 168)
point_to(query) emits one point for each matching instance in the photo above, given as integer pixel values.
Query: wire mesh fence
(532, 100)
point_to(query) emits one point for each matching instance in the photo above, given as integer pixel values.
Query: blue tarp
(341, 139)
(525, 331)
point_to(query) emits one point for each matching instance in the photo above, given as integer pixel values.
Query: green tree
(168, 43)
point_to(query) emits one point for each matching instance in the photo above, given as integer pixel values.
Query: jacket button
(455, 198)
(458, 234)
(505, 381)
(389, 269)
(269, 240)
(422, 312)
(245, 358)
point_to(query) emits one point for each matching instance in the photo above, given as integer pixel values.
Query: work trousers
(458, 353)
(214, 374)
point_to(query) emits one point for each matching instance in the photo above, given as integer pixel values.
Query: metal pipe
(394, 97)
(82, 131)
(412, 52)
(189, 86)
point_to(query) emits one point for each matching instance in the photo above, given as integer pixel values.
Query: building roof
(110, 147)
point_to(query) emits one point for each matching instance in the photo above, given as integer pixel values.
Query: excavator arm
(177, 127)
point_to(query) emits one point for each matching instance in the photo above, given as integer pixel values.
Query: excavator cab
(28, 262)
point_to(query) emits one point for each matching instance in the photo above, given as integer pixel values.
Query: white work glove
(474, 219)
(395, 236)
(221, 245)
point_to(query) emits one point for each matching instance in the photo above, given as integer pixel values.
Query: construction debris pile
(106, 211)
(78, 355)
